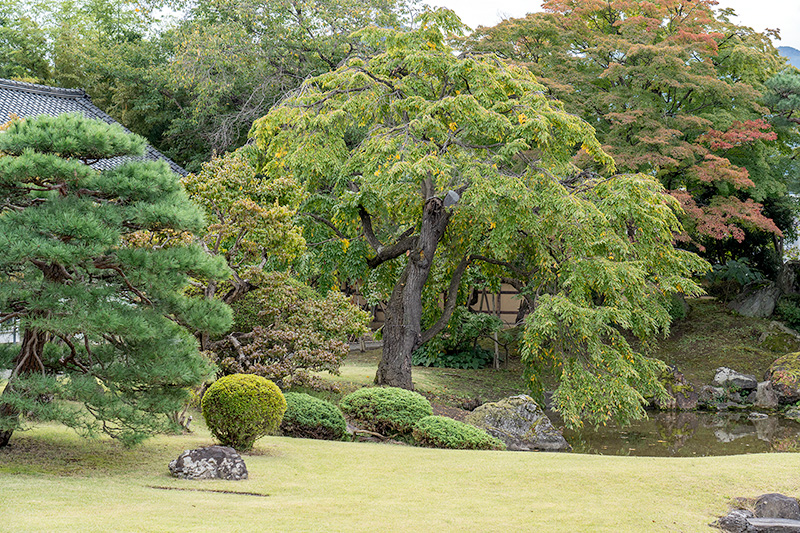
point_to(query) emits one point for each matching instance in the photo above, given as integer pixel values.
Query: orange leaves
(738, 134)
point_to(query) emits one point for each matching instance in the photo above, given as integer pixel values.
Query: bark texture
(402, 330)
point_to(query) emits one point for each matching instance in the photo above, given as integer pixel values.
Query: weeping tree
(421, 166)
(103, 312)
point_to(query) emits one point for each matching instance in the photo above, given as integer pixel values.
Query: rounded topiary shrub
(443, 432)
(389, 410)
(312, 418)
(241, 408)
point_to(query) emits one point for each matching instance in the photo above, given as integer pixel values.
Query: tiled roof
(29, 100)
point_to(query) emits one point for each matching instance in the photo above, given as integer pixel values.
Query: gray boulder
(758, 299)
(520, 423)
(736, 522)
(711, 397)
(765, 396)
(729, 378)
(777, 506)
(211, 462)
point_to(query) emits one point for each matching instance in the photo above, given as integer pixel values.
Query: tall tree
(674, 90)
(421, 165)
(102, 316)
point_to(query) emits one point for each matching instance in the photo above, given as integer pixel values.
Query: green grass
(50, 480)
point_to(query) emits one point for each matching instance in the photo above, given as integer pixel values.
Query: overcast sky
(758, 14)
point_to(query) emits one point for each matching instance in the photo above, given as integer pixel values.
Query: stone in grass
(777, 506)
(520, 423)
(736, 522)
(210, 462)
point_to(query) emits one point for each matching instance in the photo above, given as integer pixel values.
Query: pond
(689, 434)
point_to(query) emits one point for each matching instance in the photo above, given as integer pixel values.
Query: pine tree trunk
(402, 330)
(28, 360)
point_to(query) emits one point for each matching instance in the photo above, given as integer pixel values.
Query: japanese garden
(357, 265)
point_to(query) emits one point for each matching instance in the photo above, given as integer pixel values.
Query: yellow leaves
(453, 126)
(522, 118)
(492, 225)
(345, 244)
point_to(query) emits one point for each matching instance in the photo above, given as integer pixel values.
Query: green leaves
(76, 269)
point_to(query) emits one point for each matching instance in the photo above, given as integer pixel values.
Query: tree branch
(405, 243)
(327, 222)
(449, 303)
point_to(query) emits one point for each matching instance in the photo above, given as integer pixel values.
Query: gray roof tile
(30, 99)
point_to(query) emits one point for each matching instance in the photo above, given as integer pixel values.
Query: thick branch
(449, 303)
(405, 243)
(369, 233)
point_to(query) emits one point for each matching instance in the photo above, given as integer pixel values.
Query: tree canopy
(421, 166)
(675, 90)
(103, 312)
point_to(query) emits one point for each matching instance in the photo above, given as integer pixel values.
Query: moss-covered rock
(784, 374)
(520, 423)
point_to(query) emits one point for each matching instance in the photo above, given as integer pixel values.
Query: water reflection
(690, 434)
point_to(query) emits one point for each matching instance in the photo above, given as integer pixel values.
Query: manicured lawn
(50, 480)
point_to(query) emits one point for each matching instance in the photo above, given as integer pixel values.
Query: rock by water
(520, 423)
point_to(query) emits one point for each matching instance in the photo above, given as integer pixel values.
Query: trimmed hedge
(312, 418)
(388, 411)
(241, 408)
(444, 432)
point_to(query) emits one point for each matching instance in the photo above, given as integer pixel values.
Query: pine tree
(103, 311)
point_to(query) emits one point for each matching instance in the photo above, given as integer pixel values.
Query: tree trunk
(402, 330)
(28, 361)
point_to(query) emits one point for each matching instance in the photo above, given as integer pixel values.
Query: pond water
(689, 434)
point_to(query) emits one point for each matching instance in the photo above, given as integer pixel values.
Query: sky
(758, 14)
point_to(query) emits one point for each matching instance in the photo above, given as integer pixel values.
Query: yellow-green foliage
(443, 432)
(241, 408)
(312, 418)
(389, 410)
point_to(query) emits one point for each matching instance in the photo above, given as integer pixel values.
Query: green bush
(443, 432)
(457, 346)
(788, 310)
(389, 411)
(312, 418)
(241, 408)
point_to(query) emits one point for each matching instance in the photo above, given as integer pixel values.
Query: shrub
(289, 331)
(443, 432)
(457, 346)
(312, 418)
(389, 410)
(241, 408)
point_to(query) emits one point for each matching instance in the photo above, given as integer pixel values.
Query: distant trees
(102, 310)
(676, 91)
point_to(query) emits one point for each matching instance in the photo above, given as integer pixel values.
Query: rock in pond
(729, 378)
(682, 395)
(520, 423)
(210, 462)
(784, 373)
(765, 396)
